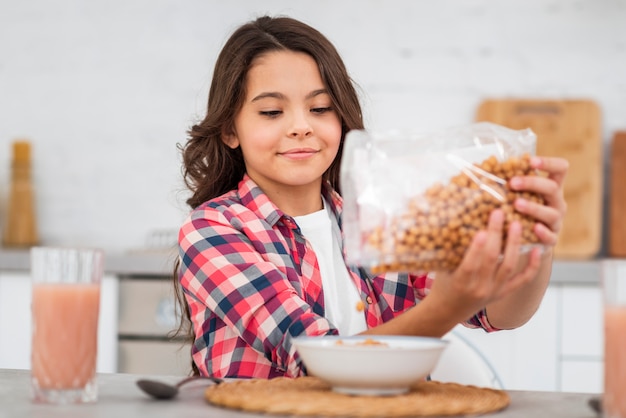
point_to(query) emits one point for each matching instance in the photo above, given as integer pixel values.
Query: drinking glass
(65, 308)
(614, 291)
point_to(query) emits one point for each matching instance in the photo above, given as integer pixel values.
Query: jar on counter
(20, 227)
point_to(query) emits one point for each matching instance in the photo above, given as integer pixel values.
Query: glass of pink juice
(614, 290)
(65, 307)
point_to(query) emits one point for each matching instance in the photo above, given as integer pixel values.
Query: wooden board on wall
(617, 196)
(570, 129)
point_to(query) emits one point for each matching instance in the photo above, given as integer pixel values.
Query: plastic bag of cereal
(413, 202)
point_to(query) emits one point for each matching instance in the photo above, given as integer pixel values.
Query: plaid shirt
(253, 283)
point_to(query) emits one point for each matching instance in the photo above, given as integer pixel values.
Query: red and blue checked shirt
(252, 283)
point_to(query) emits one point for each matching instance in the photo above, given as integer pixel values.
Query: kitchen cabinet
(524, 358)
(153, 356)
(559, 349)
(15, 322)
(582, 339)
(147, 318)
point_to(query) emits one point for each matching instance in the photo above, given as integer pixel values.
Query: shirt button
(368, 300)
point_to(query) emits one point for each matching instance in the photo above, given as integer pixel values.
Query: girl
(261, 254)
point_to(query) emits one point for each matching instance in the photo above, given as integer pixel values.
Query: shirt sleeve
(229, 269)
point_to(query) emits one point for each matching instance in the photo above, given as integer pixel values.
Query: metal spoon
(161, 390)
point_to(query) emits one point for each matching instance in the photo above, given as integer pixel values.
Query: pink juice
(65, 331)
(615, 361)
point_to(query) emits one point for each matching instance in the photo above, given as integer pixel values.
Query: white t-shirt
(340, 293)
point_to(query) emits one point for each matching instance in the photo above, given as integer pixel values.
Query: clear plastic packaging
(413, 202)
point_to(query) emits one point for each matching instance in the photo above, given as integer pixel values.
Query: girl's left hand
(549, 216)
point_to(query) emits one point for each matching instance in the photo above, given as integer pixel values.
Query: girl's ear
(230, 138)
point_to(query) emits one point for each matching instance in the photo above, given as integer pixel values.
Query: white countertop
(119, 397)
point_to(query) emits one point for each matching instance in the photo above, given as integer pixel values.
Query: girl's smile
(299, 153)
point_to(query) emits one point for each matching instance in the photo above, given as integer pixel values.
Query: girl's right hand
(485, 275)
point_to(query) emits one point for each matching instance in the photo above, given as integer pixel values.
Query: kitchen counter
(119, 396)
(148, 262)
(160, 262)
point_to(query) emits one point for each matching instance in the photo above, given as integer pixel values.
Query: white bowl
(351, 365)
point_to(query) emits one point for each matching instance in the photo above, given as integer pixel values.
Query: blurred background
(105, 90)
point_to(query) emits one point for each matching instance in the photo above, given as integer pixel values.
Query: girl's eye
(270, 113)
(321, 110)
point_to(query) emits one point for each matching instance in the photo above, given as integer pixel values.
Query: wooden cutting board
(570, 129)
(617, 196)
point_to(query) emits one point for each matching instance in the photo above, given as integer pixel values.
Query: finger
(493, 244)
(546, 214)
(511, 251)
(481, 258)
(472, 258)
(547, 236)
(554, 166)
(526, 275)
(494, 233)
(549, 220)
(535, 184)
(549, 189)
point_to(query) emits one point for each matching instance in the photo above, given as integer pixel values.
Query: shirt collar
(254, 199)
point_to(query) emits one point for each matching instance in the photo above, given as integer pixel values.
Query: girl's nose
(300, 127)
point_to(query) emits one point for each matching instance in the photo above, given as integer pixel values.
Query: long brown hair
(210, 167)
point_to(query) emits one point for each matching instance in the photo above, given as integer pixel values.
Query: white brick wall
(105, 89)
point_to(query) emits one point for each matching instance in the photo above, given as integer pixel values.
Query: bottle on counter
(20, 227)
